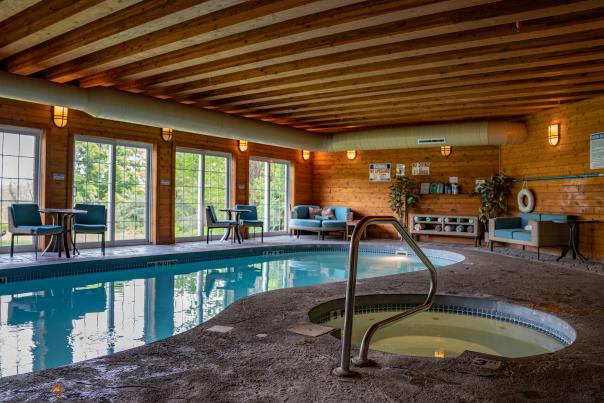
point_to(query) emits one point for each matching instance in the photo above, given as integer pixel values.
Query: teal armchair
(93, 222)
(212, 222)
(250, 219)
(24, 220)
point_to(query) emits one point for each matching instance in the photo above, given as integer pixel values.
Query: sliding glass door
(202, 179)
(19, 150)
(269, 192)
(115, 174)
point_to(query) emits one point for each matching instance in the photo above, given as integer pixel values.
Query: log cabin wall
(57, 157)
(340, 181)
(536, 158)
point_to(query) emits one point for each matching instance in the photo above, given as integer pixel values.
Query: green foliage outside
(92, 179)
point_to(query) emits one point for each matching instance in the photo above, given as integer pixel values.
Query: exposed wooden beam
(495, 38)
(414, 76)
(381, 69)
(389, 92)
(136, 20)
(50, 18)
(8, 8)
(165, 42)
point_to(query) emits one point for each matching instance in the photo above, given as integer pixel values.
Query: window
(202, 178)
(116, 175)
(269, 192)
(18, 174)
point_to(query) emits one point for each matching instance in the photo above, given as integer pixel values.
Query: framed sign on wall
(380, 172)
(596, 151)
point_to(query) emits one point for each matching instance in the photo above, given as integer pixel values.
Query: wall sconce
(445, 151)
(166, 134)
(351, 154)
(305, 155)
(59, 115)
(553, 134)
(243, 145)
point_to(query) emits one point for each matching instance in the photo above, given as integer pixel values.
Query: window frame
(288, 186)
(203, 153)
(37, 182)
(114, 143)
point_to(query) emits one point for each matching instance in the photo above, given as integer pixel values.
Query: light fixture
(439, 354)
(553, 134)
(59, 115)
(351, 154)
(445, 151)
(166, 134)
(305, 155)
(243, 145)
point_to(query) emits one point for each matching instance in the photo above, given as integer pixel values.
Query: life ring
(530, 200)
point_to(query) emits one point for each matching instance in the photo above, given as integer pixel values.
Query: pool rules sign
(596, 151)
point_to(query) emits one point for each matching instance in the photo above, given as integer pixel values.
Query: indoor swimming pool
(45, 323)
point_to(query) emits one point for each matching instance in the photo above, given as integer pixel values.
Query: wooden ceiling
(325, 65)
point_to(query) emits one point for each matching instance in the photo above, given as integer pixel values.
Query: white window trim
(288, 195)
(148, 221)
(37, 134)
(203, 153)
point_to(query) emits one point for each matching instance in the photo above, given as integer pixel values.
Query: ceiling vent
(432, 141)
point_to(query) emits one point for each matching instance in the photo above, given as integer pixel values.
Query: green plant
(403, 196)
(494, 194)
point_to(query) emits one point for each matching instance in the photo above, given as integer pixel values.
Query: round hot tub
(453, 325)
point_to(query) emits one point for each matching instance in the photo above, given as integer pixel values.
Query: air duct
(123, 106)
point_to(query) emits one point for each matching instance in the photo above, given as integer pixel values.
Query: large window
(18, 174)
(269, 191)
(202, 178)
(116, 175)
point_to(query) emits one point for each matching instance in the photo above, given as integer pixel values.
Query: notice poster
(400, 170)
(420, 168)
(596, 151)
(379, 172)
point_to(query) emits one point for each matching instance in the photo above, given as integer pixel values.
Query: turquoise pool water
(58, 321)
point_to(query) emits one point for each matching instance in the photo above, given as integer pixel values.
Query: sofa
(530, 229)
(302, 221)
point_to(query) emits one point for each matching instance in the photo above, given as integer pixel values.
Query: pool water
(57, 321)
(447, 335)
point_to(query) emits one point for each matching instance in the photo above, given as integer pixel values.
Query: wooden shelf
(440, 221)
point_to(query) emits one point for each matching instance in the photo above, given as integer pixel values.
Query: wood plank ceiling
(323, 65)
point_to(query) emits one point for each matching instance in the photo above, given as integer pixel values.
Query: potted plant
(493, 193)
(403, 197)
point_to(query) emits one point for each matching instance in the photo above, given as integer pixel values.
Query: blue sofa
(541, 231)
(301, 221)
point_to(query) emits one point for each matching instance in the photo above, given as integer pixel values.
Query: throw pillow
(328, 212)
(314, 211)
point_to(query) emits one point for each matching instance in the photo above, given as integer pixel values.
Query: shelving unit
(432, 224)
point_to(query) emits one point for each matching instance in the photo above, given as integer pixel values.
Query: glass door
(19, 150)
(269, 192)
(116, 175)
(202, 179)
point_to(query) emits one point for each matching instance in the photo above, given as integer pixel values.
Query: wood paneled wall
(340, 181)
(57, 157)
(536, 158)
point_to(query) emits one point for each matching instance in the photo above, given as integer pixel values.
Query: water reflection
(53, 322)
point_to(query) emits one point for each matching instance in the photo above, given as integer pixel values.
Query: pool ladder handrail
(353, 256)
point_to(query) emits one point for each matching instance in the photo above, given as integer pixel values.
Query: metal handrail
(359, 229)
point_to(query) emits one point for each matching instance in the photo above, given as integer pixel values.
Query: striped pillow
(328, 212)
(313, 211)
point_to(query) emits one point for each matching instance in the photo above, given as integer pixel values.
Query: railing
(361, 360)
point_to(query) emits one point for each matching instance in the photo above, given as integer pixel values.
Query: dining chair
(249, 219)
(94, 221)
(213, 222)
(24, 220)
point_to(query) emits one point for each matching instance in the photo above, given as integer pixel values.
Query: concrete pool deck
(239, 365)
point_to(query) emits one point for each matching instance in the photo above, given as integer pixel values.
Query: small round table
(573, 242)
(237, 231)
(63, 218)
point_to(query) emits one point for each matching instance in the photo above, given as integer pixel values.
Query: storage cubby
(445, 225)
